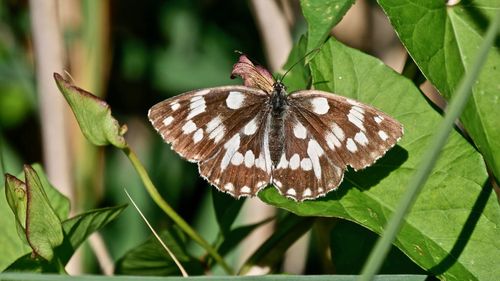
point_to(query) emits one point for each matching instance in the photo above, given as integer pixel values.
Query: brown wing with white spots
(304, 170)
(210, 126)
(355, 133)
(243, 165)
(197, 123)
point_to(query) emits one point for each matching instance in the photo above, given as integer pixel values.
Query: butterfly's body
(247, 137)
(278, 109)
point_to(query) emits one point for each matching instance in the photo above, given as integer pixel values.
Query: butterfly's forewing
(213, 126)
(360, 134)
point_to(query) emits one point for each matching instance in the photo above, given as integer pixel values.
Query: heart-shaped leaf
(454, 227)
(321, 16)
(443, 41)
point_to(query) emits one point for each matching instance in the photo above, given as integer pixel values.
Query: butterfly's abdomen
(276, 129)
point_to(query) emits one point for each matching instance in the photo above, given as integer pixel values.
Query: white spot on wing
(320, 105)
(197, 106)
(231, 147)
(351, 146)
(198, 135)
(353, 118)
(307, 192)
(383, 135)
(202, 92)
(189, 127)
(237, 159)
(360, 138)
(332, 141)
(283, 164)
(294, 161)
(235, 100)
(261, 162)
(216, 121)
(215, 129)
(175, 106)
(167, 121)
(291, 192)
(299, 131)
(338, 132)
(306, 164)
(249, 159)
(251, 127)
(378, 119)
(315, 151)
(229, 187)
(245, 189)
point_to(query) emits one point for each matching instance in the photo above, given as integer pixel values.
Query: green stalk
(169, 211)
(453, 111)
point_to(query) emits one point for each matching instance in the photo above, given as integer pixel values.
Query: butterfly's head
(279, 87)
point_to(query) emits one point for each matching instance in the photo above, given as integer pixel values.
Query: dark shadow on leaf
(479, 18)
(465, 234)
(372, 175)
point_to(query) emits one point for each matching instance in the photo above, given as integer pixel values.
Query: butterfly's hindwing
(242, 166)
(304, 170)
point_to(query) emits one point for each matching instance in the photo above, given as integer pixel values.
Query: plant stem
(170, 212)
(429, 159)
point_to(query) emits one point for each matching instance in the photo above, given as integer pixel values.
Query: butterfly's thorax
(279, 106)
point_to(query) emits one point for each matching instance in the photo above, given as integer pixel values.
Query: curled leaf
(93, 115)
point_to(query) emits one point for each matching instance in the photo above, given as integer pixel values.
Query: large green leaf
(321, 16)
(93, 115)
(443, 41)
(454, 227)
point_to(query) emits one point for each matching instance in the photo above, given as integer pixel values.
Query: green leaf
(12, 247)
(150, 258)
(351, 244)
(443, 41)
(289, 230)
(78, 228)
(226, 209)
(28, 263)
(43, 227)
(15, 193)
(58, 201)
(93, 115)
(321, 16)
(298, 76)
(454, 227)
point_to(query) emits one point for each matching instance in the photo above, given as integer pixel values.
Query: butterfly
(245, 138)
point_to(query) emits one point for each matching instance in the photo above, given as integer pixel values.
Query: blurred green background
(134, 54)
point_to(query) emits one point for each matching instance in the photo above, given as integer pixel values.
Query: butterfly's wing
(329, 133)
(221, 129)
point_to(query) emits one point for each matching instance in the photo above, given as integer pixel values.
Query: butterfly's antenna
(300, 60)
